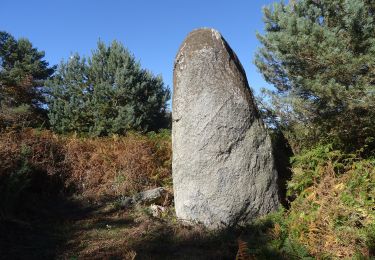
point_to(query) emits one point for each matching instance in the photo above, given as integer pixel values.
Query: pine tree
(108, 94)
(68, 100)
(320, 56)
(22, 74)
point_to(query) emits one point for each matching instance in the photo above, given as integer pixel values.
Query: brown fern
(243, 251)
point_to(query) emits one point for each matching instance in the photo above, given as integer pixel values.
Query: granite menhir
(223, 167)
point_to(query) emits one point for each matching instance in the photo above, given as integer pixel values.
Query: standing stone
(223, 168)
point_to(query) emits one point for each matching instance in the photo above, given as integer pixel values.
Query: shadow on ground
(40, 232)
(69, 229)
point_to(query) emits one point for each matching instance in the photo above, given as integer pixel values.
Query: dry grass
(123, 234)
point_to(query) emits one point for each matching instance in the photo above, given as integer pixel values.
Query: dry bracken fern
(243, 251)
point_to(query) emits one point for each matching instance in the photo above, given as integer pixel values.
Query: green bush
(332, 214)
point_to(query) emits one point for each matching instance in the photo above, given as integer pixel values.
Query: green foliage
(332, 213)
(22, 74)
(163, 151)
(308, 166)
(107, 94)
(319, 55)
(16, 117)
(281, 239)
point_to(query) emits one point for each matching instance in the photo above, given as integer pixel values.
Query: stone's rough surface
(223, 168)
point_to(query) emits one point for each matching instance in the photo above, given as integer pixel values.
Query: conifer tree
(67, 99)
(107, 94)
(22, 74)
(320, 56)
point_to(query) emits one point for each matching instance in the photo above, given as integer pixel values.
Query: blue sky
(152, 30)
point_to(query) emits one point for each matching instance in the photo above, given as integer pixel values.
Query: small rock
(126, 202)
(157, 210)
(154, 196)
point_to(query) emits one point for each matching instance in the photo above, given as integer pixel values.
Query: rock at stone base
(157, 211)
(126, 202)
(154, 196)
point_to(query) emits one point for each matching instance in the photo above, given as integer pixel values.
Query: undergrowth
(117, 166)
(333, 212)
(40, 162)
(332, 194)
(31, 161)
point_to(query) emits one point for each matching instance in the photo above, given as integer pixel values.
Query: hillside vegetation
(331, 213)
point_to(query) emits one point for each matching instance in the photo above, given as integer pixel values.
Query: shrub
(332, 214)
(114, 166)
(30, 161)
(42, 163)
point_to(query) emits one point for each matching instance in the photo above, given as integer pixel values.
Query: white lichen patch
(216, 34)
(180, 58)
